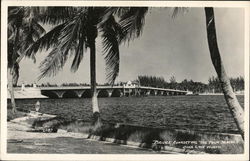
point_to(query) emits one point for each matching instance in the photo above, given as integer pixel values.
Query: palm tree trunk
(231, 100)
(11, 70)
(96, 112)
(11, 91)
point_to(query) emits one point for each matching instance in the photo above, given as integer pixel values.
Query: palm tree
(23, 30)
(232, 102)
(76, 31)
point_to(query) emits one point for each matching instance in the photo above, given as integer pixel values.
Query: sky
(167, 47)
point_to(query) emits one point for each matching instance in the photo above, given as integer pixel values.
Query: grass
(206, 142)
(77, 126)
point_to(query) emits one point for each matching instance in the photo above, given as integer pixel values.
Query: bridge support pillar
(79, 93)
(155, 92)
(127, 91)
(121, 94)
(59, 93)
(161, 92)
(97, 91)
(137, 92)
(110, 91)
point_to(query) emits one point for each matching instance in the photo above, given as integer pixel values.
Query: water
(200, 113)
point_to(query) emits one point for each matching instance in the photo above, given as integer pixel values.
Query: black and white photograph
(162, 80)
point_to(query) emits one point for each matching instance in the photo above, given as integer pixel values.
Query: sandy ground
(62, 142)
(19, 131)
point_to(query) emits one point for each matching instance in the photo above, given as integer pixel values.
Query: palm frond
(15, 17)
(72, 35)
(81, 44)
(24, 19)
(79, 53)
(69, 34)
(118, 11)
(67, 39)
(55, 15)
(48, 40)
(177, 10)
(38, 28)
(133, 21)
(109, 18)
(11, 34)
(52, 64)
(28, 35)
(111, 49)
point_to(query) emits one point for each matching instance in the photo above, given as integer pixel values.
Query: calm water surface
(202, 113)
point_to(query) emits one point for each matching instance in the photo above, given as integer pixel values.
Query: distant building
(130, 84)
(190, 93)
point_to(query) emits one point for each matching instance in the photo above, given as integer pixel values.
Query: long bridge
(107, 91)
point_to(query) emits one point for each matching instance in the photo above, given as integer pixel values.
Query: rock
(40, 122)
(32, 118)
(48, 125)
(15, 141)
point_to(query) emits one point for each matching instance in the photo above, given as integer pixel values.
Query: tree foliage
(23, 31)
(76, 27)
(236, 83)
(213, 85)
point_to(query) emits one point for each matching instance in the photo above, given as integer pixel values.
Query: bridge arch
(50, 94)
(103, 93)
(160, 93)
(165, 93)
(86, 94)
(70, 94)
(117, 93)
(172, 93)
(153, 92)
(107, 91)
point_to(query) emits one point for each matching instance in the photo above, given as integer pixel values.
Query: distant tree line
(74, 84)
(236, 83)
(213, 85)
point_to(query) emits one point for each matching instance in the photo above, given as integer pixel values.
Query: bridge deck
(110, 87)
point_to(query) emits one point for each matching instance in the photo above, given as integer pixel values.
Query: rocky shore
(23, 137)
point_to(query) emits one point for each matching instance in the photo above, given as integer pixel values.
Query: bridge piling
(79, 93)
(59, 93)
(110, 91)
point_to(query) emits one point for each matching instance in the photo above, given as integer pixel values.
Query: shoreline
(128, 135)
(215, 94)
(40, 96)
(62, 142)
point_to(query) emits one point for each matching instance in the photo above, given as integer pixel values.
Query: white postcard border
(5, 156)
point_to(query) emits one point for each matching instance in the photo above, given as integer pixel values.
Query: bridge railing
(162, 89)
